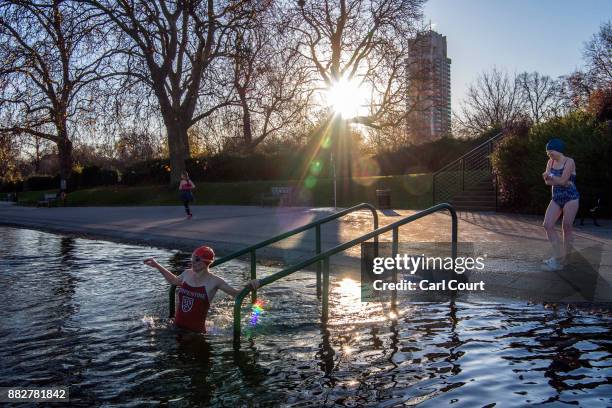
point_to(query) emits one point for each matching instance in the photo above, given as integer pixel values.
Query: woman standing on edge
(561, 175)
(185, 187)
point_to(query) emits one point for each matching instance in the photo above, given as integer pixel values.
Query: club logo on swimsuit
(187, 304)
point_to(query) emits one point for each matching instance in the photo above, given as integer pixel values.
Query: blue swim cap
(556, 144)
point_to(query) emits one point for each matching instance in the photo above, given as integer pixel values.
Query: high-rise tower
(429, 88)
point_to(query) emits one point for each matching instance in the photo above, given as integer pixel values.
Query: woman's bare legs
(552, 215)
(569, 213)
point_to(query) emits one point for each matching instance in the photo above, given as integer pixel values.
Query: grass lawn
(411, 191)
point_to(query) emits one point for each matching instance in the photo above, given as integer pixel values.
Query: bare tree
(135, 146)
(9, 152)
(363, 40)
(598, 56)
(51, 52)
(494, 100)
(576, 90)
(540, 94)
(270, 83)
(171, 47)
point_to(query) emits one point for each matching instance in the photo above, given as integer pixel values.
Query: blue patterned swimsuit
(560, 194)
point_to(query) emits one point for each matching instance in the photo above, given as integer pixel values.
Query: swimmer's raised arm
(225, 287)
(169, 276)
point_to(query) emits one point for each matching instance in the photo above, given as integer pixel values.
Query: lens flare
(256, 310)
(310, 182)
(316, 167)
(365, 170)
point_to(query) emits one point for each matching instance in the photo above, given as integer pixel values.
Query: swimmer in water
(196, 288)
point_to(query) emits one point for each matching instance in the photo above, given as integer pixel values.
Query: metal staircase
(468, 182)
(324, 258)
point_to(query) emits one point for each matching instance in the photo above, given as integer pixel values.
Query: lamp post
(333, 166)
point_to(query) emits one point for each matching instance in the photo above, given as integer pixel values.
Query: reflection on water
(90, 315)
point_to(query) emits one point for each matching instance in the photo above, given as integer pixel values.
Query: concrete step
(488, 186)
(479, 197)
(479, 190)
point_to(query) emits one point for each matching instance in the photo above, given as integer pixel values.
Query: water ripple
(89, 315)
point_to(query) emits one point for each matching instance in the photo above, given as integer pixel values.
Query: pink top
(186, 185)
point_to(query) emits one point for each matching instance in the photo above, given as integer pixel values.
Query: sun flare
(346, 97)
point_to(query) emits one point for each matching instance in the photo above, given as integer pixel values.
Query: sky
(547, 36)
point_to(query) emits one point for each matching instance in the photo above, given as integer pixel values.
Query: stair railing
(252, 250)
(324, 257)
(464, 172)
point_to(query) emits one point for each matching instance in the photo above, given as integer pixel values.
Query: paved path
(229, 228)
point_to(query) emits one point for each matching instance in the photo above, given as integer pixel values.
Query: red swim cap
(205, 253)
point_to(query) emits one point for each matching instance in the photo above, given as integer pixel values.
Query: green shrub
(303, 161)
(520, 159)
(11, 187)
(155, 171)
(93, 176)
(410, 191)
(40, 183)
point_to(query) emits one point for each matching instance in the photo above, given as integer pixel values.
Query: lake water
(89, 315)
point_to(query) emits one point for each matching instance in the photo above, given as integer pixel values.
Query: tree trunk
(178, 146)
(64, 148)
(246, 120)
(37, 155)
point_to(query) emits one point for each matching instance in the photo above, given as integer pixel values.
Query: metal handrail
(253, 248)
(342, 247)
(460, 162)
(491, 139)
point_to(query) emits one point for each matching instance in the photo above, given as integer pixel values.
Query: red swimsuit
(192, 308)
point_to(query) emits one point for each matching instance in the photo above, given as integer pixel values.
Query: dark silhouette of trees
(173, 48)
(360, 40)
(540, 95)
(270, 83)
(51, 52)
(492, 101)
(598, 56)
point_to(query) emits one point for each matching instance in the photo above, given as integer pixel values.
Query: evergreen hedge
(520, 158)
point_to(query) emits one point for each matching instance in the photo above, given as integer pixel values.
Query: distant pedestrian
(185, 187)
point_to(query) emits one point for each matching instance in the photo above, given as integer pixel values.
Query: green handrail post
(375, 221)
(253, 274)
(454, 234)
(325, 303)
(237, 306)
(318, 251)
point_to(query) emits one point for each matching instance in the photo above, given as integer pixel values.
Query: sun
(346, 97)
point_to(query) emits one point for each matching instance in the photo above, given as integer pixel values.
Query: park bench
(591, 207)
(280, 195)
(48, 200)
(9, 197)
